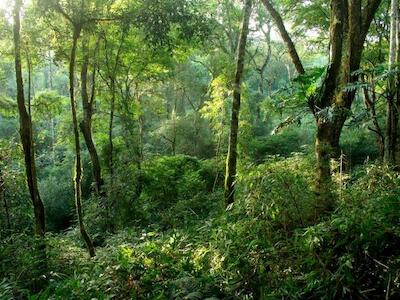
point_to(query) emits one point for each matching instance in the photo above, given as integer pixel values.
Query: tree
(26, 131)
(78, 167)
(77, 21)
(349, 25)
(231, 160)
(393, 105)
(330, 105)
(86, 123)
(26, 135)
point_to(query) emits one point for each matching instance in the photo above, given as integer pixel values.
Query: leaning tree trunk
(26, 132)
(78, 166)
(285, 36)
(86, 124)
(231, 160)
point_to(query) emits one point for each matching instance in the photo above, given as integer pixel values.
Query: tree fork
(86, 124)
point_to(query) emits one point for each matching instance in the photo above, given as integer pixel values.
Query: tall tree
(26, 130)
(392, 114)
(231, 160)
(330, 105)
(349, 25)
(77, 20)
(78, 162)
(86, 123)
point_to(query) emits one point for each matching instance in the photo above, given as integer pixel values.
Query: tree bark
(86, 124)
(3, 200)
(26, 131)
(285, 36)
(78, 167)
(350, 22)
(392, 114)
(331, 105)
(29, 154)
(231, 161)
(110, 129)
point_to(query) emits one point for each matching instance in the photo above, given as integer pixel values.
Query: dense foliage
(156, 88)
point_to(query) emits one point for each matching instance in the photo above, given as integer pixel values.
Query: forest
(199, 149)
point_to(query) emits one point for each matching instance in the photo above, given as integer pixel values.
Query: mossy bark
(26, 131)
(331, 105)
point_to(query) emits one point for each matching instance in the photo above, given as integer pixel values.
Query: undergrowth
(267, 246)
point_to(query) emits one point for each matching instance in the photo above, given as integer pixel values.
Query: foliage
(266, 248)
(159, 83)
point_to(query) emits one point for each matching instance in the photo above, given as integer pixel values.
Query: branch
(285, 36)
(368, 14)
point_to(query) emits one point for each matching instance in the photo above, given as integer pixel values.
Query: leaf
(194, 296)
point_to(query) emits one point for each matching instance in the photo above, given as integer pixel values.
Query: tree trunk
(331, 105)
(86, 124)
(326, 148)
(392, 114)
(3, 200)
(110, 130)
(26, 132)
(231, 161)
(285, 36)
(29, 154)
(78, 166)
(29, 63)
(370, 105)
(173, 119)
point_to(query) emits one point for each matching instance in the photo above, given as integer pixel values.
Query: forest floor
(267, 246)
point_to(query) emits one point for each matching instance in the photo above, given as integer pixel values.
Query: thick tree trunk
(285, 36)
(349, 27)
(26, 132)
(78, 166)
(231, 160)
(86, 124)
(326, 148)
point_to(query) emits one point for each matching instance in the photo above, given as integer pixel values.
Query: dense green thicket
(269, 246)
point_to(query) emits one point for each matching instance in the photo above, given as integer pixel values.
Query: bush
(170, 182)
(355, 252)
(58, 198)
(280, 191)
(284, 144)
